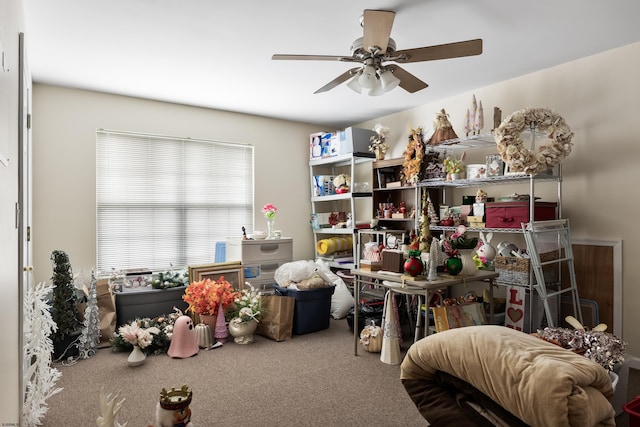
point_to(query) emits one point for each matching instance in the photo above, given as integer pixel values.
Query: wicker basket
(515, 270)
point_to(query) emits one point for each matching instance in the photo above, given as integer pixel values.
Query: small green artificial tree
(64, 311)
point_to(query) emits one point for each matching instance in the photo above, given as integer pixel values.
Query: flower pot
(242, 331)
(468, 264)
(209, 320)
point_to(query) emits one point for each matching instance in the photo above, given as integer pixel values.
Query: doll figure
(173, 409)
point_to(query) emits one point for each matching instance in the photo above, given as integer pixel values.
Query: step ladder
(549, 247)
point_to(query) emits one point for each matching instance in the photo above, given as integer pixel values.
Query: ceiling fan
(375, 48)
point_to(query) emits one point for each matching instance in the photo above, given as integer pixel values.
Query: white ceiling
(217, 54)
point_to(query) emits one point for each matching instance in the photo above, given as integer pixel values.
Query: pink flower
(269, 211)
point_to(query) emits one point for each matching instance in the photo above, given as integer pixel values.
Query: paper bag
(456, 316)
(106, 312)
(277, 317)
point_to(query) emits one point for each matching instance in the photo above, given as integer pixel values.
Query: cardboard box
(354, 140)
(393, 260)
(513, 214)
(365, 264)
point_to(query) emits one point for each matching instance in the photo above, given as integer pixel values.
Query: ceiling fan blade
(338, 80)
(377, 29)
(442, 51)
(408, 81)
(312, 58)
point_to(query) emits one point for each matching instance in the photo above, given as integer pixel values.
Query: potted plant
(245, 315)
(205, 297)
(453, 167)
(64, 307)
(377, 145)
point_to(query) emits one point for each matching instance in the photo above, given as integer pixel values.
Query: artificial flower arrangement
(171, 279)
(205, 296)
(269, 211)
(342, 183)
(452, 165)
(458, 240)
(378, 140)
(247, 305)
(136, 335)
(160, 341)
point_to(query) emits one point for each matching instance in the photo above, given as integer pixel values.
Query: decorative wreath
(519, 159)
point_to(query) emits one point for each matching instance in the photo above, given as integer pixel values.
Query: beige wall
(65, 122)
(598, 96)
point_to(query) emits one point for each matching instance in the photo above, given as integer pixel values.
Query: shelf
(478, 141)
(471, 229)
(343, 196)
(494, 180)
(343, 159)
(334, 230)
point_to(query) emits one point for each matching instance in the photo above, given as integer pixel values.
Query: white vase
(136, 357)
(270, 230)
(242, 332)
(468, 264)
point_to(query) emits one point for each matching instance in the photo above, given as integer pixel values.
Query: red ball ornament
(413, 266)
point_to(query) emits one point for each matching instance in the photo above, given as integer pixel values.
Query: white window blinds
(163, 201)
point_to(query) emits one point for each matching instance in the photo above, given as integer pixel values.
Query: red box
(633, 409)
(513, 214)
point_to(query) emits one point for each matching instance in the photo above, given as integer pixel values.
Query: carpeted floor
(312, 379)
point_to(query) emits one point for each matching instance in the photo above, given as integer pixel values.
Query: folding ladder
(549, 247)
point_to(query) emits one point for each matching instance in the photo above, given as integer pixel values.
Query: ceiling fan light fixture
(388, 80)
(354, 85)
(377, 91)
(368, 79)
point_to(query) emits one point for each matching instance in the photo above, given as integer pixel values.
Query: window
(163, 201)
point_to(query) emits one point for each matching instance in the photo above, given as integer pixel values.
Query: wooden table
(403, 284)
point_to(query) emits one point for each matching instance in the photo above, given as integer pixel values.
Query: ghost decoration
(183, 340)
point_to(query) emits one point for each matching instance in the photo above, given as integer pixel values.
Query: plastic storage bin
(633, 409)
(312, 309)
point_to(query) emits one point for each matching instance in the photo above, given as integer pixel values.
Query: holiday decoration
(110, 409)
(413, 265)
(221, 332)
(517, 157)
(40, 377)
(183, 340)
(413, 156)
(64, 311)
(425, 233)
(90, 337)
(173, 409)
(377, 145)
(443, 129)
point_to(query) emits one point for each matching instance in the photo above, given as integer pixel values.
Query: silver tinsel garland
(604, 348)
(90, 337)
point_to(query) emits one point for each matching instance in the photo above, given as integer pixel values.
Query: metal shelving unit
(487, 141)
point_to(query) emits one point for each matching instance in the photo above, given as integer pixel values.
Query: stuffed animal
(486, 250)
(312, 283)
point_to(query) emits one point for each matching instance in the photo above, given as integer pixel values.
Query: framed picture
(232, 272)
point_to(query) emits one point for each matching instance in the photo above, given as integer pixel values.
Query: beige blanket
(539, 382)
